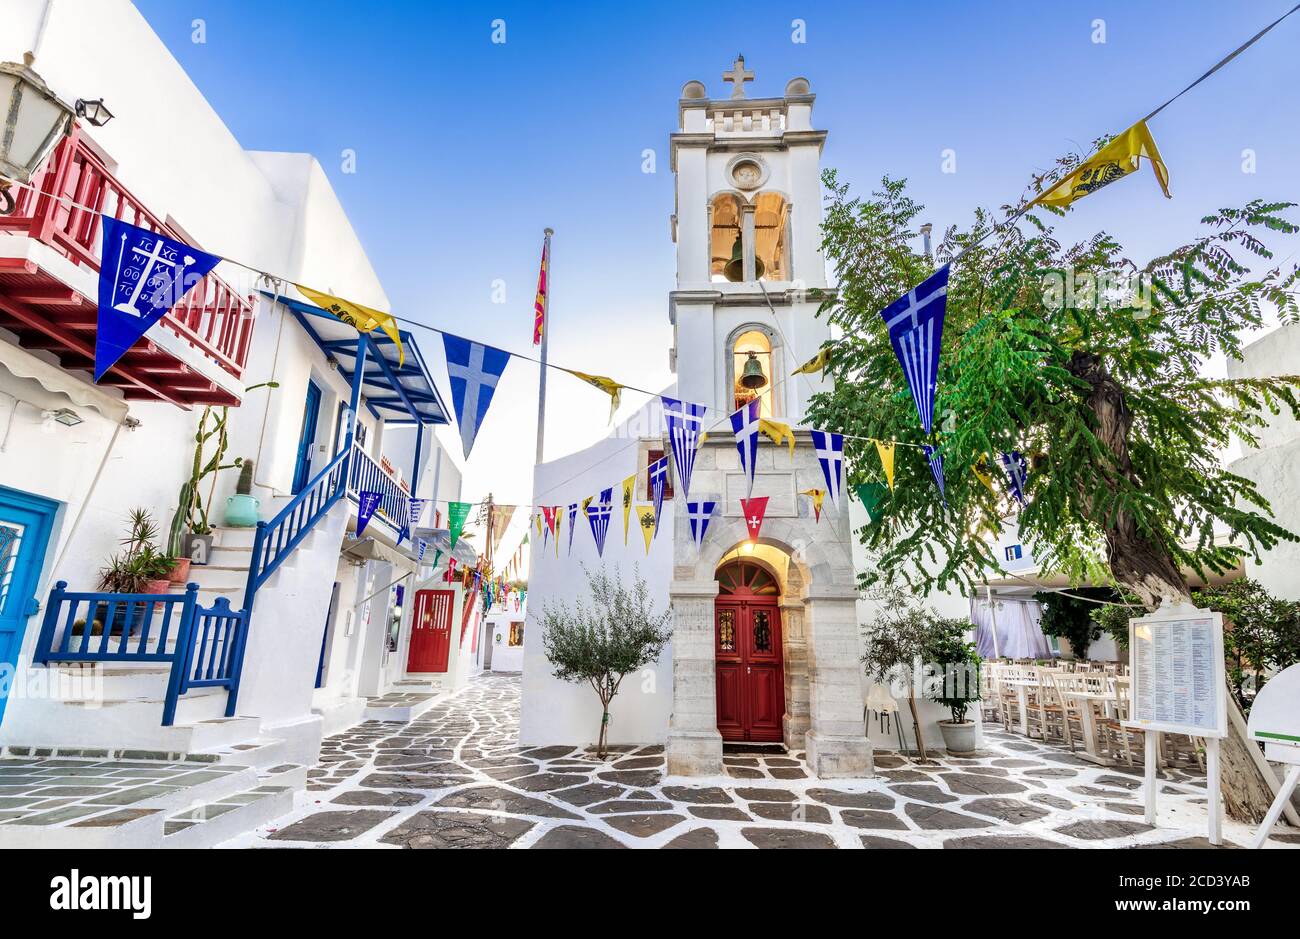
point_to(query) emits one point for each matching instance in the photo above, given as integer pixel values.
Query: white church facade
(766, 641)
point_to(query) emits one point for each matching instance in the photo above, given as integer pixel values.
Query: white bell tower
(749, 265)
(747, 227)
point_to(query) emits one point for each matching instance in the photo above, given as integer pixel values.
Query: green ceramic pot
(241, 511)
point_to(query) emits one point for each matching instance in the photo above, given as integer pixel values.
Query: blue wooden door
(25, 524)
(307, 439)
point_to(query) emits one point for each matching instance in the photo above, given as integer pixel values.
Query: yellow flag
(537, 522)
(1114, 161)
(361, 318)
(981, 471)
(817, 496)
(628, 485)
(886, 450)
(816, 364)
(607, 385)
(778, 433)
(586, 502)
(646, 515)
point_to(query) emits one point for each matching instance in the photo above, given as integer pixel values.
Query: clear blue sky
(467, 149)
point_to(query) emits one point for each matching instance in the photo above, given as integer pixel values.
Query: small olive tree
(600, 642)
(906, 638)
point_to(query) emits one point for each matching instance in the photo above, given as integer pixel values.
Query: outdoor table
(1022, 686)
(1089, 720)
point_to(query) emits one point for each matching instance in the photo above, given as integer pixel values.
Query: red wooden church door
(747, 655)
(430, 631)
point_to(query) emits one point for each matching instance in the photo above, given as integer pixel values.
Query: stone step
(234, 537)
(131, 817)
(229, 555)
(259, 753)
(133, 725)
(209, 824)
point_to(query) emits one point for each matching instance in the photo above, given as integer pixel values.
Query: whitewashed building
(295, 629)
(766, 645)
(1274, 465)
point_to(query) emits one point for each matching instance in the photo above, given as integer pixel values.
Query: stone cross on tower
(738, 76)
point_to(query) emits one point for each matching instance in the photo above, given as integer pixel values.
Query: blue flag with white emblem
(598, 514)
(658, 483)
(142, 275)
(830, 456)
(915, 324)
(683, 422)
(935, 459)
(745, 425)
(698, 515)
(473, 371)
(1017, 468)
(367, 505)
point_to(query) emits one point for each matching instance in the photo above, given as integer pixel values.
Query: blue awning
(397, 394)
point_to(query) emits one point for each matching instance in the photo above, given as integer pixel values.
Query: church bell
(735, 268)
(752, 377)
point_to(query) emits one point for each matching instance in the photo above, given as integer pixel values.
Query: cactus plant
(244, 486)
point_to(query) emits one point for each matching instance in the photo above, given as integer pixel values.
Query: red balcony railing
(62, 212)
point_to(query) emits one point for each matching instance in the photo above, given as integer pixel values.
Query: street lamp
(94, 112)
(34, 120)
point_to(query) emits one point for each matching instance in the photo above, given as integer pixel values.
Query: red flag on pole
(539, 304)
(753, 510)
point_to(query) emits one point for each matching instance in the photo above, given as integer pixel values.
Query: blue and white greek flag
(598, 514)
(573, 517)
(830, 454)
(658, 483)
(683, 422)
(1017, 468)
(699, 514)
(142, 275)
(935, 460)
(473, 371)
(745, 423)
(915, 324)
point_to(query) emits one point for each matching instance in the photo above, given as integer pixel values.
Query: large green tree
(1048, 351)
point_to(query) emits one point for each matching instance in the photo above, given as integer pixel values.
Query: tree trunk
(916, 726)
(603, 741)
(1149, 571)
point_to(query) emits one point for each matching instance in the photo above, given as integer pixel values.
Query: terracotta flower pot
(180, 571)
(157, 586)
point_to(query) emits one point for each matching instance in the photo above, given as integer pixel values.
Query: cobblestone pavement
(455, 778)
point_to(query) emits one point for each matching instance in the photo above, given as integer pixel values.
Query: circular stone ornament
(747, 171)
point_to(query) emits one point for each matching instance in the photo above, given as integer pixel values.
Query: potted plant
(190, 536)
(241, 508)
(139, 568)
(956, 683)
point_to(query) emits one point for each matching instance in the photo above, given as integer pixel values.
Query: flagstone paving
(456, 778)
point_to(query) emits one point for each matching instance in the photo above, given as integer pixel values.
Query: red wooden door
(750, 679)
(430, 631)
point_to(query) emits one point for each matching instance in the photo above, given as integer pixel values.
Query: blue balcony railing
(205, 645)
(365, 475)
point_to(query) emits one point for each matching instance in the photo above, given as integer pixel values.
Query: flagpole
(546, 335)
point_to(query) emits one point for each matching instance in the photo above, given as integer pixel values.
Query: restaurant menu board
(1176, 664)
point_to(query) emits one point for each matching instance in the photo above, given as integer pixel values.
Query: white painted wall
(505, 657)
(553, 711)
(1275, 465)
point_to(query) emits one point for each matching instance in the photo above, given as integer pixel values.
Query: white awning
(368, 549)
(54, 379)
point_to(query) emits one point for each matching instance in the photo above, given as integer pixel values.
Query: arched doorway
(747, 653)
